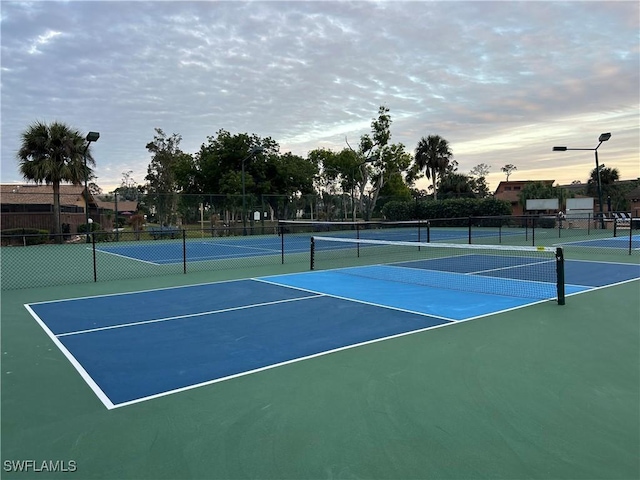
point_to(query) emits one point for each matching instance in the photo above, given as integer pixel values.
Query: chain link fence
(37, 258)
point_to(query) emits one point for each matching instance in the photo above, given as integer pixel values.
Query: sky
(503, 82)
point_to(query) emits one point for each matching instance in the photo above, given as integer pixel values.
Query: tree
(540, 190)
(479, 180)
(612, 194)
(433, 156)
(456, 185)
(161, 174)
(376, 162)
(128, 189)
(508, 169)
(53, 154)
(480, 171)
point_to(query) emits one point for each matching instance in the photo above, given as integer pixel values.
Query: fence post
(93, 247)
(281, 232)
(533, 231)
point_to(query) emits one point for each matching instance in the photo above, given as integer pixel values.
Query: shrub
(396, 211)
(546, 222)
(24, 236)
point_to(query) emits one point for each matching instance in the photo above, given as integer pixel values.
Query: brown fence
(45, 221)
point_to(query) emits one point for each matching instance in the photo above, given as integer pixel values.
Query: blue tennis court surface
(613, 242)
(137, 346)
(171, 252)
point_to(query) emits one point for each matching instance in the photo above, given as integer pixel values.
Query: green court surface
(542, 392)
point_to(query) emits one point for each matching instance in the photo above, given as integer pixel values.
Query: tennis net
(410, 230)
(524, 272)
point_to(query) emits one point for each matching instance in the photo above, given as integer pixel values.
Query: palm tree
(53, 154)
(433, 155)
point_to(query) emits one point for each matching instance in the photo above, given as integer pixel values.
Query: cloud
(502, 81)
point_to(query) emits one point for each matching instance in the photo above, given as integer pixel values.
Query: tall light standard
(91, 137)
(253, 151)
(603, 138)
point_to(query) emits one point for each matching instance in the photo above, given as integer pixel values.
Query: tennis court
(206, 249)
(198, 335)
(615, 242)
(385, 361)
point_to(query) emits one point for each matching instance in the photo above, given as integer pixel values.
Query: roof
(123, 205)
(39, 194)
(634, 195)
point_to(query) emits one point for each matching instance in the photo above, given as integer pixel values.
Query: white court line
(127, 257)
(135, 292)
(379, 305)
(189, 315)
(276, 365)
(109, 405)
(80, 369)
(262, 249)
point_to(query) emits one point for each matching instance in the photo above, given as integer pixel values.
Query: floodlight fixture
(93, 136)
(602, 138)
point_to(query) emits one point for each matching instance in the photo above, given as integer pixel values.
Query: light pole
(253, 151)
(91, 137)
(603, 138)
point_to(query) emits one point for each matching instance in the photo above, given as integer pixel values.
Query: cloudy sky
(503, 82)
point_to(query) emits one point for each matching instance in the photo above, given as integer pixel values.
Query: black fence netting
(32, 257)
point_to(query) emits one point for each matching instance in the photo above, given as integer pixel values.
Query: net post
(312, 253)
(281, 233)
(469, 225)
(428, 231)
(615, 228)
(560, 275)
(184, 250)
(630, 233)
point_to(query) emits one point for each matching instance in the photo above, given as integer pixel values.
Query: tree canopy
(52, 154)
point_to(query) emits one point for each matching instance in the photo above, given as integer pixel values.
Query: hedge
(24, 236)
(449, 208)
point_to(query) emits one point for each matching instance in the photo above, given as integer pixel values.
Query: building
(31, 206)
(510, 191)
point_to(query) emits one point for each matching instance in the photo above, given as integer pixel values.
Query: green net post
(560, 272)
